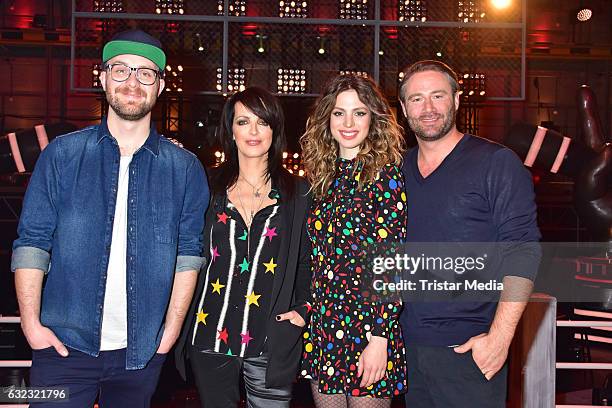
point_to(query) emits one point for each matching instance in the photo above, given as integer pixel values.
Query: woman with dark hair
(251, 301)
(352, 151)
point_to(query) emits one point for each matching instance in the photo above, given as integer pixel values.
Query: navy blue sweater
(481, 192)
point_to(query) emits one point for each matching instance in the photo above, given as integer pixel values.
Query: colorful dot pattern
(340, 225)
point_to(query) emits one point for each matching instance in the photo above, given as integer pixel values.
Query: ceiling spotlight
(197, 42)
(321, 50)
(501, 4)
(584, 14)
(260, 48)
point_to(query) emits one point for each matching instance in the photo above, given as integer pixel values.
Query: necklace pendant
(257, 194)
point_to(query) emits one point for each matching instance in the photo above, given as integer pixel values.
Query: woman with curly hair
(352, 152)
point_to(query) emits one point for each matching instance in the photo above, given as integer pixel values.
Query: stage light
(352, 72)
(501, 4)
(412, 10)
(219, 157)
(170, 6)
(472, 85)
(293, 163)
(197, 42)
(321, 49)
(260, 43)
(174, 79)
(237, 8)
(584, 14)
(353, 9)
(291, 80)
(108, 6)
(95, 76)
(235, 79)
(470, 11)
(293, 9)
(381, 52)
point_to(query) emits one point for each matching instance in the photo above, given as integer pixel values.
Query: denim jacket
(66, 225)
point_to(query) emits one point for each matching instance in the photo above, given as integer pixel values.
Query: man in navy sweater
(462, 188)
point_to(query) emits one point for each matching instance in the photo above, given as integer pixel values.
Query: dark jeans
(85, 376)
(438, 377)
(217, 377)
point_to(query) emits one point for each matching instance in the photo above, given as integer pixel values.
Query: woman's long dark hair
(267, 107)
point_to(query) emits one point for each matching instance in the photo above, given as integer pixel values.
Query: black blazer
(291, 289)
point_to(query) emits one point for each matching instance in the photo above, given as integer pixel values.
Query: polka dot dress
(342, 319)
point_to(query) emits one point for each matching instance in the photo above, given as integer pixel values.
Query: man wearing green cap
(112, 222)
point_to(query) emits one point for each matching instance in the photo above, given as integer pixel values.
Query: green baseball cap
(135, 42)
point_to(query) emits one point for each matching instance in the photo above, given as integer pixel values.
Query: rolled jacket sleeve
(26, 257)
(38, 219)
(189, 263)
(190, 239)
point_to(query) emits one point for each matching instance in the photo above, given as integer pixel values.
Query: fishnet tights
(343, 401)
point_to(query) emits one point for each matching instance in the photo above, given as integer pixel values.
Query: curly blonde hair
(384, 144)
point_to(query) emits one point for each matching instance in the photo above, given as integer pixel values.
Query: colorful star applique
(222, 217)
(244, 236)
(215, 254)
(217, 286)
(201, 317)
(223, 335)
(270, 233)
(229, 352)
(246, 338)
(244, 266)
(270, 266)
(253, 299)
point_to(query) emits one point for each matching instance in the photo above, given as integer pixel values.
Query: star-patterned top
(233, 307)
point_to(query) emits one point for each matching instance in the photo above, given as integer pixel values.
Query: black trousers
(438, 377)
(217, 377)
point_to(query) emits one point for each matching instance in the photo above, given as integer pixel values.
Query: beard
(131, 111)
(433, 134)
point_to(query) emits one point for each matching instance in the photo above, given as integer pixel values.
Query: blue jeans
(85, 377)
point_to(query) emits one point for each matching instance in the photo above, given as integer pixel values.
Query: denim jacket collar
(151, 144)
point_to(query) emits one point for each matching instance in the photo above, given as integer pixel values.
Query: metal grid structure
(320, 38)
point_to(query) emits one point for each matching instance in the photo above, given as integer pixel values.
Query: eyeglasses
(120, 72)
